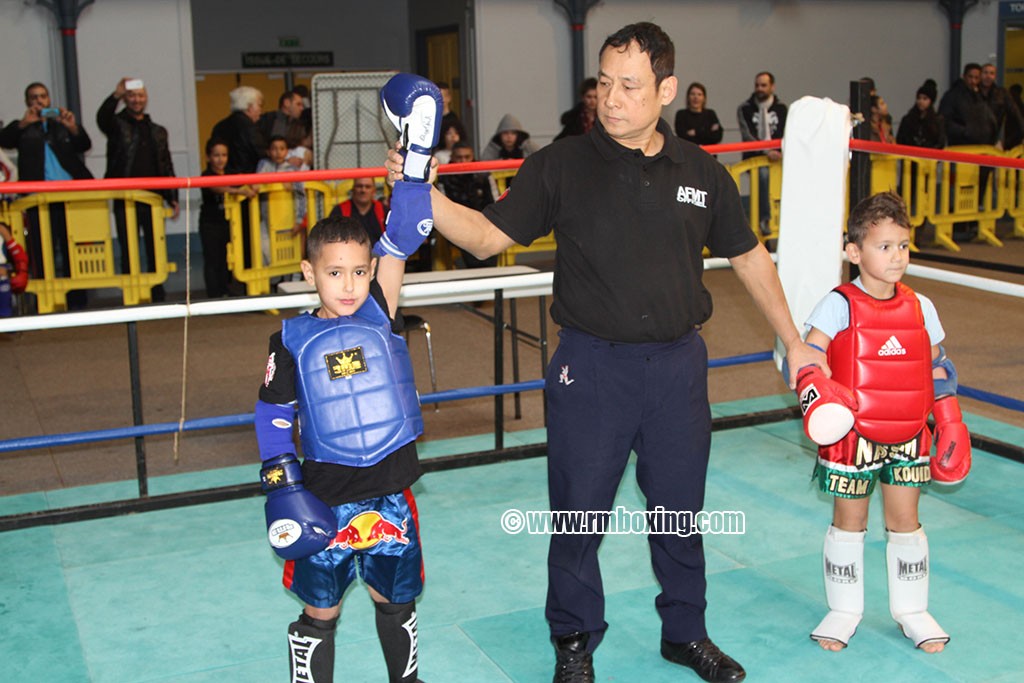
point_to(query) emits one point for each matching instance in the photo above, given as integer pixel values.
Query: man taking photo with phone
(136, 148)
(50, 144)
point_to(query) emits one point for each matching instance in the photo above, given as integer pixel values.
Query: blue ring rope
(241, 419)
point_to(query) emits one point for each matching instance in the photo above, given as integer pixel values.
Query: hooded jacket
(524, 145)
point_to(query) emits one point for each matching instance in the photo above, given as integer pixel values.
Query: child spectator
(888, 373)
(277, 162)
(13, 270)
(510, 141)
(214, 229)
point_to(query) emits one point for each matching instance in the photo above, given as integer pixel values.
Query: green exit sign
(288, 41)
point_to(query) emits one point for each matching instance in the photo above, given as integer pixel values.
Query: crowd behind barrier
(944, 190)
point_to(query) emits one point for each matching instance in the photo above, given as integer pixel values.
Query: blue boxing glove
(409, 222)
(415, 107)
(298, 523)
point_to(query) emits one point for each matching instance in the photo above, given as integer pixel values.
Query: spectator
(1014, 131)
(277, 162)
(1007, 116)
(290, 106)
(969, 121)
(300, 145)
(50, 144)
(214, 229)
(763, 117)
(475, 190)
(881, 122)
(246, 142)
(13, 270)
(510, 141)
(136, 148)
(365, 206)
(451, 133)
(922, 126)
(246, 146)
(307, 106)
(449, 117)
(580, 119)
(696, 123)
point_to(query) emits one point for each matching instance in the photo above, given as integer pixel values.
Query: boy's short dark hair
(872, 211)
(275, 138)
(652, 41)
(213, 142)
(335, 229)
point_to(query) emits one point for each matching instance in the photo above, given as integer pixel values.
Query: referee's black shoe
(573, 664)
(705, 659)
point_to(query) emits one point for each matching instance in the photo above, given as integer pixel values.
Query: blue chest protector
(354, 383)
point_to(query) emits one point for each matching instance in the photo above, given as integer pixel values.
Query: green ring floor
(194, 594)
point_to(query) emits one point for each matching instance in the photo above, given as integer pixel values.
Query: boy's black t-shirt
(212, 209)
(337, 484)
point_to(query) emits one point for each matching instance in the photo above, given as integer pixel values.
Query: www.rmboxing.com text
(623, 521)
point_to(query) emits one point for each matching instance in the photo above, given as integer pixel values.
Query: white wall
(151, 40)
(364, 36)
(814, 47)
(523, 53)
(523, 50)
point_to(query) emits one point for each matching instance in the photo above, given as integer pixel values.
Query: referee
(632, 207)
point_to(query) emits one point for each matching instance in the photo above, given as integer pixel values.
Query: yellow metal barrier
(1014, 184)
(961, 199)
(543, 244)
(279, 252)
(945, 193)
(750, 168)
(89, 248)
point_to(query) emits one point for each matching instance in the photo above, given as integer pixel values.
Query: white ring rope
(418, 294)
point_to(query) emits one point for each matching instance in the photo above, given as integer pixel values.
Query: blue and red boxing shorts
(378, 538)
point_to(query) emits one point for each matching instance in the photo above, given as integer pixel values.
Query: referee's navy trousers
(604, 400)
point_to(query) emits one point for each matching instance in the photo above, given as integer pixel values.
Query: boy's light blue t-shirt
(832, 315)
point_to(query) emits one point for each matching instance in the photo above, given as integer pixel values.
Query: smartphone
(49, 113)
(133, 84)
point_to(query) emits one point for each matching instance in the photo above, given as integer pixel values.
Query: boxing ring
(94, 593)
(501, 290)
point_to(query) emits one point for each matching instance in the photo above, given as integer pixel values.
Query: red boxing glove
(952, 460)
(827, 406)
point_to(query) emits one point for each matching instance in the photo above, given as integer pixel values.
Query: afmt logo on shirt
(691, 195)
(346, 363)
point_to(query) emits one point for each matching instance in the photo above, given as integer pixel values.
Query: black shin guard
(396, 628)
(311, 649)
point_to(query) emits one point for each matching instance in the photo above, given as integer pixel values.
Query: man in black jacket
(762, 116)
(44, 128)
(969, 120)
(136, 148)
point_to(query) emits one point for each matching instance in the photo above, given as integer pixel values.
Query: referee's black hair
(335, 229)
(653, 41)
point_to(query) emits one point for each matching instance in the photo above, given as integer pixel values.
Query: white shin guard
(844, 585)
(906, 557)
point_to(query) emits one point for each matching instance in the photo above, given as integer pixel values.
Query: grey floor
(194, 594)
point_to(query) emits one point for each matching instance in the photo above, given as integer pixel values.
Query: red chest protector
(884, 356)
(378, 210)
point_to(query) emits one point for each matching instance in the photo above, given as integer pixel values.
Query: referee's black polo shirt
(630, 231)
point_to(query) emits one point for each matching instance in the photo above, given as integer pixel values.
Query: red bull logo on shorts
(367, 529)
